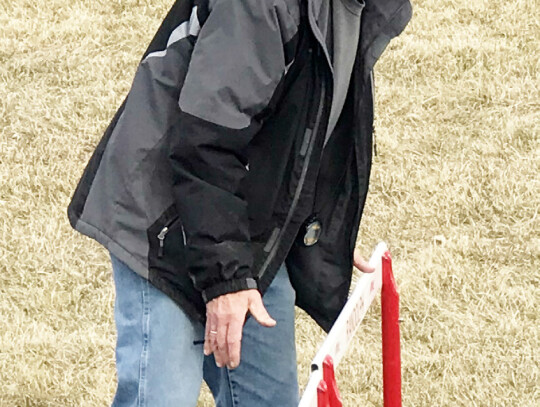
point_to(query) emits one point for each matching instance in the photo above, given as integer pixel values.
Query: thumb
(362, 264)
(259, 312)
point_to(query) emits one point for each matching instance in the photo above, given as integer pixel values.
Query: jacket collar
(382, 20)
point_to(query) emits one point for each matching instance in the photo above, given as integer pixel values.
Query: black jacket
(214, 162)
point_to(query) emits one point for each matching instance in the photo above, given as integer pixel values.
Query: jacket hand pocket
(167, 237)
(171, 225)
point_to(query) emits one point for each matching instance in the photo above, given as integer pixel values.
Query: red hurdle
(390, 336)
(322, 389)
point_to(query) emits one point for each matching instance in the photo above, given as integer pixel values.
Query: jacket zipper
(300, 185)
(312, 137)
(163, 233)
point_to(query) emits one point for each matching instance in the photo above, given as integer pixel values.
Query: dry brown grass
(455, 192)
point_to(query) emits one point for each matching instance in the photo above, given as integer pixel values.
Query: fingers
(215, 337)
(234, 341)
(221, 351)
(225, 316)
(210, 334)
(361, 264)
(225, 345)
(259, 312)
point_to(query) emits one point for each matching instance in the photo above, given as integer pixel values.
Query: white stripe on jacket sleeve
(190, 27)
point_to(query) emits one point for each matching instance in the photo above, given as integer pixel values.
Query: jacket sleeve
(237, 63)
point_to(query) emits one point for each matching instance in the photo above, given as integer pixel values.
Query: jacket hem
(126, 257)
(179, 298)
(324, 322)
(111, 245)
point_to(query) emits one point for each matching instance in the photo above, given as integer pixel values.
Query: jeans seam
(144, 352)
(231, 388)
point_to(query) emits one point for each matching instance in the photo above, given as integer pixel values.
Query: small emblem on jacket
(312, 231)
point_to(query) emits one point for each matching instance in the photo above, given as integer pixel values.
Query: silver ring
(213, 332)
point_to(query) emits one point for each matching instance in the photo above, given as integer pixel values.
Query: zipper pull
(161, 238)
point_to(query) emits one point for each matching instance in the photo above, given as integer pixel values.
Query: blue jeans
(158, 364)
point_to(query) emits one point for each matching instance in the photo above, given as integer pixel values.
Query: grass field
(455, 192)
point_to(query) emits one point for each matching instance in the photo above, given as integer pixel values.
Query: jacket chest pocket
(167, 238)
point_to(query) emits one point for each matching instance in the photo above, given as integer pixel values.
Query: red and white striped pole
(390, 336)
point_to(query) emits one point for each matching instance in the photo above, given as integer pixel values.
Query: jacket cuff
(227, 287)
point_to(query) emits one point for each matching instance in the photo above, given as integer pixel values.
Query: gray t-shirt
(342, 26)
(325, 23)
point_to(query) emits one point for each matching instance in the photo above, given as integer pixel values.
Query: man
(237, 165)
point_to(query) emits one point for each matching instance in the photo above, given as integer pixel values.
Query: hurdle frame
(342, 332)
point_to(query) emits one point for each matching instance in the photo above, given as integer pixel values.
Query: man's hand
(225, 317)
(360, 263)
